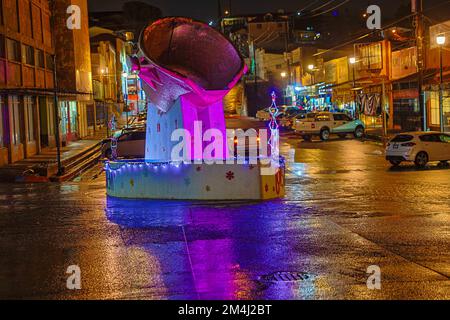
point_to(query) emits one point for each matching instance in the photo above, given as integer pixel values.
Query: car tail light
(408, 144)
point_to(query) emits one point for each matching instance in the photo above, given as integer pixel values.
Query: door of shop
(407, 115)
(69, 121)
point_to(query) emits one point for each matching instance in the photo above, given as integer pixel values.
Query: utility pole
(55, 94)
(220, 15)
(286, 45)
(383, 108)
(417, 8)
(441, 89)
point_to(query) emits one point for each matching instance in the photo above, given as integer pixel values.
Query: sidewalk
(378, 135)
(43, 167)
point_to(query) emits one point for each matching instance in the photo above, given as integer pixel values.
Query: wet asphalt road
(344, 211)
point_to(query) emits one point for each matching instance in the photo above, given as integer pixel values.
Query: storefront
(47, 122)
(433, 110)
(371, 102)
(406, 107)
(68, 113)
(344, 99)
(313, 98)
(15, 114)
(30, 117)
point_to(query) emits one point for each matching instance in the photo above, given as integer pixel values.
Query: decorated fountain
(187, 68)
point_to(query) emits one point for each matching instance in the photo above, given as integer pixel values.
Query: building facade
(27, 118)
(73, 66)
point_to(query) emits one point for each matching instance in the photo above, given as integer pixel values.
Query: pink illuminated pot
(183, 57)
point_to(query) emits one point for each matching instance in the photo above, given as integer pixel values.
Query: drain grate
(285, 276)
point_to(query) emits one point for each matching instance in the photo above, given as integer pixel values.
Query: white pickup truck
(323, 124)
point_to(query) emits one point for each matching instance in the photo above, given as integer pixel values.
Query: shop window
(15, 109)
(434, 109)
(28, 55)
(64, 118)
(73, 114)
(13, 49)
(28, 101)
(51, 118)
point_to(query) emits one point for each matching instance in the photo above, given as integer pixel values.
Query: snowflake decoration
(230, 175)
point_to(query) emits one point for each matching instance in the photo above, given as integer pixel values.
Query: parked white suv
(419, 147)
(323, 124)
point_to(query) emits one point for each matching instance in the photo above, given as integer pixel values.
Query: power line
(331, 9)
(363, 36)
(323, 6)
(309, 5)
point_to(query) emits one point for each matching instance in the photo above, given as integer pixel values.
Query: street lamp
(125, 95)
(440, 40)
(311, 68)
(283, 76)
(105, 107)
(352, 61)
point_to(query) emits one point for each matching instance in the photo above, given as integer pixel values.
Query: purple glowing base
(190, 181)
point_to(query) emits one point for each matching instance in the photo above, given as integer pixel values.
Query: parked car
(288, 120)
(323, 124)
(418, 147)
(263, 115)
(130, 144)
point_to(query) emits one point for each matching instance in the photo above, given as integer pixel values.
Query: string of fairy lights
(120, 165)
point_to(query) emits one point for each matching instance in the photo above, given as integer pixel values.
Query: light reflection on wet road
(345, 210)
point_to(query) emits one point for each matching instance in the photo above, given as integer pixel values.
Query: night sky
(207, 9)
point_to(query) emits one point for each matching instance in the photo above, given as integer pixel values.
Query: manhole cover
(285, 276)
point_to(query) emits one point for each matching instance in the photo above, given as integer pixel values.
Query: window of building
(434, 109)
(51, 118)
(49, 61)
(370, 56)
(40, 59)
(2, 142)
(15, 108)
(1, 13)
(13, 49)
(28, 101)
(2, 47)
(28, 55)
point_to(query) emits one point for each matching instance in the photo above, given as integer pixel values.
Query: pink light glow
(193, 62)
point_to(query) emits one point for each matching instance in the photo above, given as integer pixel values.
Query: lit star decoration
(273, 126)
